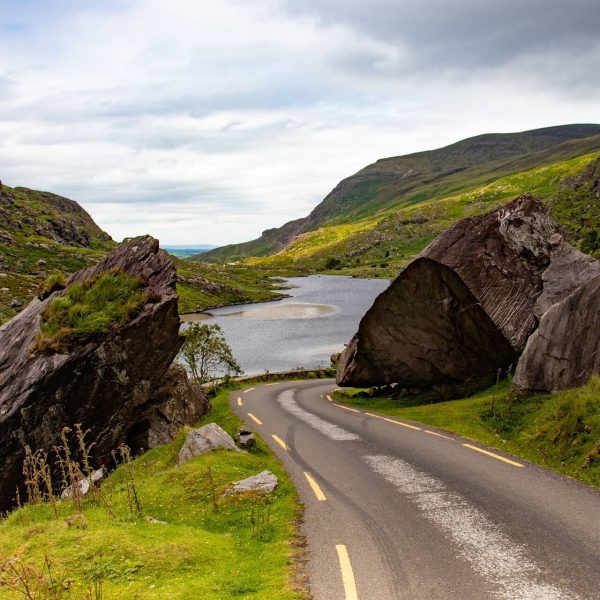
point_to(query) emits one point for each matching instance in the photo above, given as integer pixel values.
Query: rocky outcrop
(565, 349)
(426, 329)
(513, 262)
(501, 256)
(108, 385)
(176, 402)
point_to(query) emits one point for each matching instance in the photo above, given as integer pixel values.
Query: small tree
(207, 353)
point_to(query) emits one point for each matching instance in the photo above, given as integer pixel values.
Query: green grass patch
(243, 549)
(559, 431)
(90, 310)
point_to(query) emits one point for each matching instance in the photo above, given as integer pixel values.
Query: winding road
(400, 510)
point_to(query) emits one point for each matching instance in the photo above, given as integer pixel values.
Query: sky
(208, 122)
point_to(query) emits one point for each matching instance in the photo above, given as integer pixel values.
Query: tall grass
(88, 311)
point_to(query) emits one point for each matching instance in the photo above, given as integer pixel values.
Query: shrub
(333, 263)
(89, 310)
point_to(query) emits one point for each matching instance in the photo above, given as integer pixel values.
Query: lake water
(304, 330)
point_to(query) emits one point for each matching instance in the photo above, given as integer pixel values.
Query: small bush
(333, 263)
(90, 310)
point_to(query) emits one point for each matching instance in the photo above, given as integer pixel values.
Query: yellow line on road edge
(346, 408)
(248, 390)
(239, 401)
(280, 441)
(274, 383)
(439, 435)
(372, 415)
(347, 573)
(315, 487)
(401, 423)
(497, 456)
(329, 398)
(258, 421)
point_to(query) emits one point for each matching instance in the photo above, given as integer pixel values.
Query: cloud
(210, 126)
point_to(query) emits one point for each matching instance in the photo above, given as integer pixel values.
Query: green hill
(356, 215)
(43, 234)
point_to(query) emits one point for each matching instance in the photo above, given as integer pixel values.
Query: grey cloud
(466, 34)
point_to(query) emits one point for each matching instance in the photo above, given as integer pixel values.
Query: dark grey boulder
(426, 329)
(108, 385)
(564, 352)
(514, 263)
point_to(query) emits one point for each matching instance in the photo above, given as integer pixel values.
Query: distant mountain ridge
(415, 178)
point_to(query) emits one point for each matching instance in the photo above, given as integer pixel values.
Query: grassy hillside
(409, 181)
(559, 431)
(380, 246)
(43, 235)
(242, 546)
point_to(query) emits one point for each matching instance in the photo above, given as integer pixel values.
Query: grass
(244, 549)
(90, 310)
(559, 431)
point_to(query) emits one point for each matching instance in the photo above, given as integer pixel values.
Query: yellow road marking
(258, 421)
(248, 390)
(274, 383)
(400, 423)
(280, 441)
(239, 401)
(497, 456)
(439, 435)
(315, 487)
(372, 415)
(329, 398)
(347, 573)
(346, 408)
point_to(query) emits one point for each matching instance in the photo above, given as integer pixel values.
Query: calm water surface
(304, 330)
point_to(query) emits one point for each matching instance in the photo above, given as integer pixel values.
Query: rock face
(175, 403)
(204, 439)
(426, 329)
(106, 385)
(513, 262)
(565, 349)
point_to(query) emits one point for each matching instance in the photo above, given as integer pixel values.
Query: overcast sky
(207, 122)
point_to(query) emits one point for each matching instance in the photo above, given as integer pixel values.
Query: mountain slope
(415, 178)
(42, 234)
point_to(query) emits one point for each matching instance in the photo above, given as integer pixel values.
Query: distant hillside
(405, 181)
(42, 233)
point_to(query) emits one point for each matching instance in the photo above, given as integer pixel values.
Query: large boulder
(426, 329)
(564, 351)
(515, 264)
(105, 384)
(502, 257)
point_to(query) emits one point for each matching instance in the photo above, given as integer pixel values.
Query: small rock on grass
(204, 439)
(246, 438)
(154, 521)
(84, 484)
(265, 482)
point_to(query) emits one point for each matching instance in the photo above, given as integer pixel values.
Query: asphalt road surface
(397, 509)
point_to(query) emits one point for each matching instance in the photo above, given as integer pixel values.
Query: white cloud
(209, 123)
